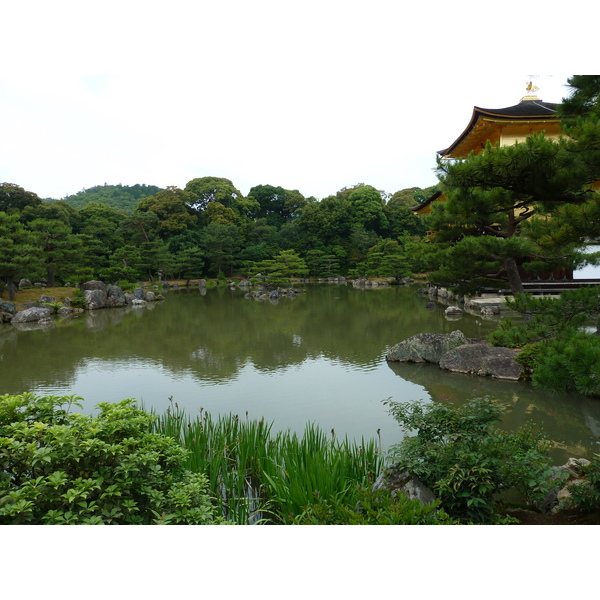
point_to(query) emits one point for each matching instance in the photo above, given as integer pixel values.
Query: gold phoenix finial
(531, 88)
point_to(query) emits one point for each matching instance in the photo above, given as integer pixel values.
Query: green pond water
(319, 357)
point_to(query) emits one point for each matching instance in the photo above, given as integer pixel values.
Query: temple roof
(529, 109)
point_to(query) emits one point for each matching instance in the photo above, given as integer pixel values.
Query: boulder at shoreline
(456, 353)
(426, 347)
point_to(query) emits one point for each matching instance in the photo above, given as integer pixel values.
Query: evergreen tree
(13, 198)
(20, 255)
(284, 265)
(220, 244)
(60, 248)
(580, 114)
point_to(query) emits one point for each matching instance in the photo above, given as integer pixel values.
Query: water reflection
(317, 357)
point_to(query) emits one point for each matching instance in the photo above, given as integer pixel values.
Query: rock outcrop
(459, 354)
(114, 297)
(94, 299)
(426, 347)
(570, 474)
(397, 480)
(35, 313)
(484, 360)
(96, 295)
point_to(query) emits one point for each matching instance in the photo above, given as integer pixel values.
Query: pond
(319, 357)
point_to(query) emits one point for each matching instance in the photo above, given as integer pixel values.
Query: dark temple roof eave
(525, 110)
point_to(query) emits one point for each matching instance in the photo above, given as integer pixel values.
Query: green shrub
(528, 356)
(127, 286)
(58, 467)
(556, 351)
(53, 306)
(371, 508)
(586, 497)
(570, 363)
(78, 299)
(466, 461)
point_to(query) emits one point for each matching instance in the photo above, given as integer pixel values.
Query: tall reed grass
(257, 476)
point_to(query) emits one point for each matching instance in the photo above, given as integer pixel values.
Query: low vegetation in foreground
(128, 466)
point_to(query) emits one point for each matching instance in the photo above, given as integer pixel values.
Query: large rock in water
(426, 347)
(35, 313)
(484, 360)
(94, 299)
(8, 307)
(114, 297)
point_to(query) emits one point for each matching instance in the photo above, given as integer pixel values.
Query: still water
(318, 357)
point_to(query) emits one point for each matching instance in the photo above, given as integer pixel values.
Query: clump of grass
(259, 476)
(315, 466)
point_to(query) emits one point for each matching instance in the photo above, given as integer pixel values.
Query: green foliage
(60, 247)
(14, 199)
(121, 197)
(58, 467)
(204, 190)
(569, 363)
(584, 99)
(557, 352)
(276, 205)
(172, 207)
(367, 208)
(284, 265)
(586, 496)
(528, 356)
(20, 255)
(385, 259)
(220, 244)
(461, 455)
(324, 262)
(131, 232)
(365, 507)
(548, 317)
(53, 306)
(256, 474)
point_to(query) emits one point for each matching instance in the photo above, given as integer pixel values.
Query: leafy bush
(57, 467)
(371, 508)
(529, 355)
(466, 461)
(78, 299)
(53, 306)
(586, 497)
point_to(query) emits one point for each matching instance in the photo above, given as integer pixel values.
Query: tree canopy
(122, 197)
(207, 229)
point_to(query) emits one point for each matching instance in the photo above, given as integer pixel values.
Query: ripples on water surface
(318, 357)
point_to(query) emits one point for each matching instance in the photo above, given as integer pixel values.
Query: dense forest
(125, 197)
(207, 229)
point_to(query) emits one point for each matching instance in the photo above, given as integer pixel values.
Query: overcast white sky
(313, 96)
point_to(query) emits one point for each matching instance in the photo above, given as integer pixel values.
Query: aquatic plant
(258, 476)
